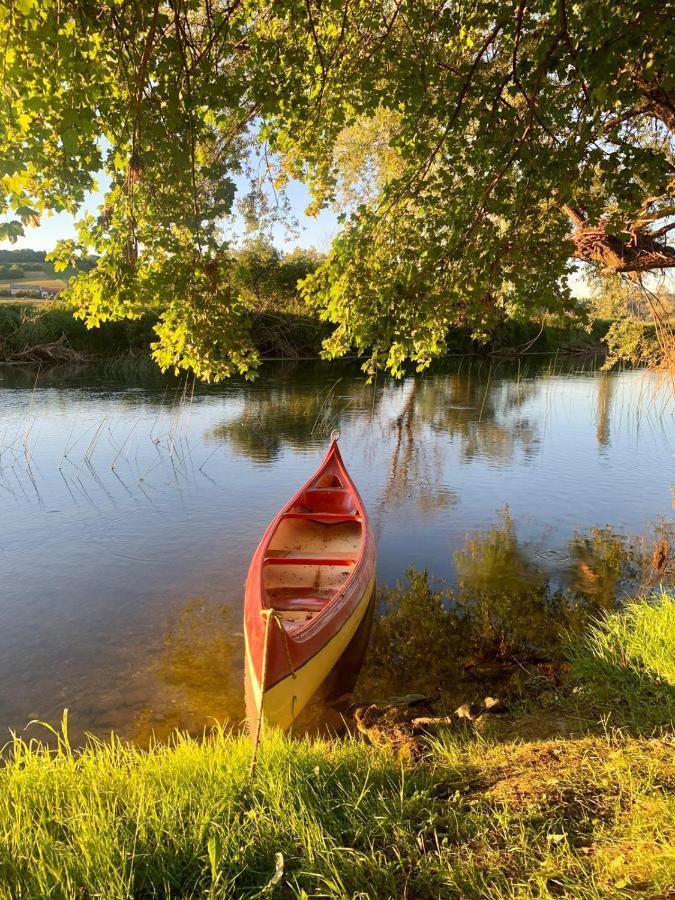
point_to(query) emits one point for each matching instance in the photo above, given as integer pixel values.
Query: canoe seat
(324, 518)
(299, 604)
(300, 558)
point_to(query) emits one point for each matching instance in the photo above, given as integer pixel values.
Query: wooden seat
(291, 558)
(299, 604)
(325, 518)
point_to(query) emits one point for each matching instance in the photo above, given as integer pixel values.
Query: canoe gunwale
(306, 630)
(306, 639)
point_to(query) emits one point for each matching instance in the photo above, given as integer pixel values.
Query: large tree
(504, 139)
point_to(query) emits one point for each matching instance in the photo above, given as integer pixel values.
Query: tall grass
(626, 662)
(586, 818)
(640, 639)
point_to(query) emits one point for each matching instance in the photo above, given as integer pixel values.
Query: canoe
(308, 589)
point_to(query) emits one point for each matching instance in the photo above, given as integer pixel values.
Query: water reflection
(603, 408)
(486, 417)
(280, 415)
(506, 612)
(120, 497)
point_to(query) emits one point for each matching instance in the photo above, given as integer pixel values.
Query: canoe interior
(312, 552)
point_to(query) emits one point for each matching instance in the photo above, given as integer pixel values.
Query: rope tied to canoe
(269, 615)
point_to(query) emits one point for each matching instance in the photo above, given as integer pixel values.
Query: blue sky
(312, 232)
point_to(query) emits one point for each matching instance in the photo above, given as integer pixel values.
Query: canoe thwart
(324, 518)
(284, 558)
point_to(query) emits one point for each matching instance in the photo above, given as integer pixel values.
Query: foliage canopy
(473, 147)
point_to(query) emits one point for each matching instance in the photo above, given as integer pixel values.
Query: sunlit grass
(626, 663)
(638, 640)
(588, 818)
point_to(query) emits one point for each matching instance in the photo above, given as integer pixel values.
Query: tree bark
(640, 253)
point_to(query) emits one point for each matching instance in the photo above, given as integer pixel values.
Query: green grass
(586, 818)
(625, 663)
(590, 818)
(639, 640)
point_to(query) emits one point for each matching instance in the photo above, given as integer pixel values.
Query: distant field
(34, 280)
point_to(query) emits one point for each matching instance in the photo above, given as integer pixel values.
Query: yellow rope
(270, 615)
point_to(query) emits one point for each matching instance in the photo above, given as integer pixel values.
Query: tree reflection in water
(603, 408)
(280, 415)
(483, 414)
(506, 613)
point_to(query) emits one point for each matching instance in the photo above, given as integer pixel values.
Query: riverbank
(48, 332)
(481, 813)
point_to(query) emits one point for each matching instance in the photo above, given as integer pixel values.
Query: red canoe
(308, 588)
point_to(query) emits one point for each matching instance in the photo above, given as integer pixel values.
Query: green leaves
(11, 231)
(28, 215)
(25, 7)
(449, 137)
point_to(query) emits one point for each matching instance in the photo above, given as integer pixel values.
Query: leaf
(69, 140)
(278, 873)
(10, 231)
(28, 215)
(215, 851)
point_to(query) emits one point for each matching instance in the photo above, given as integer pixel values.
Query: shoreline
(48, 333)
(474, 811)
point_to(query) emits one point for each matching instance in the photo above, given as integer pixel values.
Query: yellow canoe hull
(283, 702)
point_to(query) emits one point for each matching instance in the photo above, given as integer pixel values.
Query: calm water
(129, 513)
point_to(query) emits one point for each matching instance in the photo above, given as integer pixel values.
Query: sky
(315, 232)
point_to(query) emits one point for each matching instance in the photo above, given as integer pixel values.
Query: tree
(515, 120)
(154, 94)
(515, 135)
(268, 278)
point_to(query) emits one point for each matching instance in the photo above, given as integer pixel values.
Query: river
(129, 509)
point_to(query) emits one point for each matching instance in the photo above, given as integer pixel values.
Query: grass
(637, 641)
(586, 818)
(626, 663)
